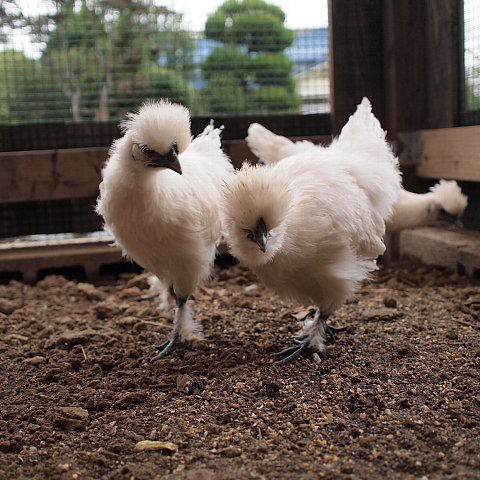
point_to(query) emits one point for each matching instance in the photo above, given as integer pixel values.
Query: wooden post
(443, 62)
(422, 64)
(356, 57)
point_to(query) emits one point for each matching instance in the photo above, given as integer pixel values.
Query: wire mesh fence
(69, 69)
(93, 60)
(471, 101)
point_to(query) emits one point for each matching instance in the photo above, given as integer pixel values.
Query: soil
(397, 396)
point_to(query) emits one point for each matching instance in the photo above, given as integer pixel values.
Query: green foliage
(100, 59)
(274, 100)
(272, 69)
(259, 73)
(260, 33)
(228, 58)
(472, 92)
(253, 23)
(28, 91)
(225, 95)
(226, 14)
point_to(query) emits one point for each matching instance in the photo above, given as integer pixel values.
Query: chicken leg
(315, 334)
(175, 338)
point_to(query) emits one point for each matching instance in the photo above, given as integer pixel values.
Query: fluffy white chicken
(445, 203)
(311, 226)
(159, 199)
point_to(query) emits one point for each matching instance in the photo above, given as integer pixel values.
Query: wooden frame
(451, 153)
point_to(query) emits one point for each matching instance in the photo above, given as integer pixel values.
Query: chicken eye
(442, 211)
(249, 234)
(146, 150)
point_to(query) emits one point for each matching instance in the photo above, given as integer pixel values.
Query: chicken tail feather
(265, 144)
(362, 122)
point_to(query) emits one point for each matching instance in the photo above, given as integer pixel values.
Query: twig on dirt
(147, 296)
(148, 322)
(84, 353)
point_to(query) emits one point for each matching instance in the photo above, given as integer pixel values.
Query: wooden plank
(451, 153)
(356, 57)
(50, 174)
(30, 257)
(76, 173)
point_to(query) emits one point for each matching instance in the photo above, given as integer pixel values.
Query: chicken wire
(471, 101)
(48, 217)
(70, 69)
(94, 60)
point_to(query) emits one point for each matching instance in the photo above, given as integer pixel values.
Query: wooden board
(452, 153)
(76, 173)
(50, 174)
(30, 257)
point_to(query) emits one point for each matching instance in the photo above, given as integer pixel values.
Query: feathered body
(168, 223)
(325, 211)
(444, 203)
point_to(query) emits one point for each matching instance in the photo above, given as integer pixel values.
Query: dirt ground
(397, 396)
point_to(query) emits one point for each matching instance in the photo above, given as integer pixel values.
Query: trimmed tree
(250, 72)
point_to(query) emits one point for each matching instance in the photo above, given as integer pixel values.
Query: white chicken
(311, 226)
(445, 203)
(159, 199)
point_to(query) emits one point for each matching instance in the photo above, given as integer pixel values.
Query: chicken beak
(262, 243)
(260, 235)
(169, 160)
(451, 219)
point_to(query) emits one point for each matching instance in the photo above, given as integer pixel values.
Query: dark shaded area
(100, 134)
(115, 269)
(71, 273)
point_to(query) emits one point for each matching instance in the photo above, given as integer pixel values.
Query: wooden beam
(356, 57)
(31, 257)
(451, 153)
(76, 173)
(50, 174)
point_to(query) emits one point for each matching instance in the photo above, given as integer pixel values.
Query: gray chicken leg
(318, 333)
(175, 338)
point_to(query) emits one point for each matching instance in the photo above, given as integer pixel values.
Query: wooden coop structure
(406, 56)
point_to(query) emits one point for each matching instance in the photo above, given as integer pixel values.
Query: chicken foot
(312, 341)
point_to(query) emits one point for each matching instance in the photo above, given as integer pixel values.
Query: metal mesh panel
(70, 69)
(471, 111)
(48, 217)
(93, 60)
